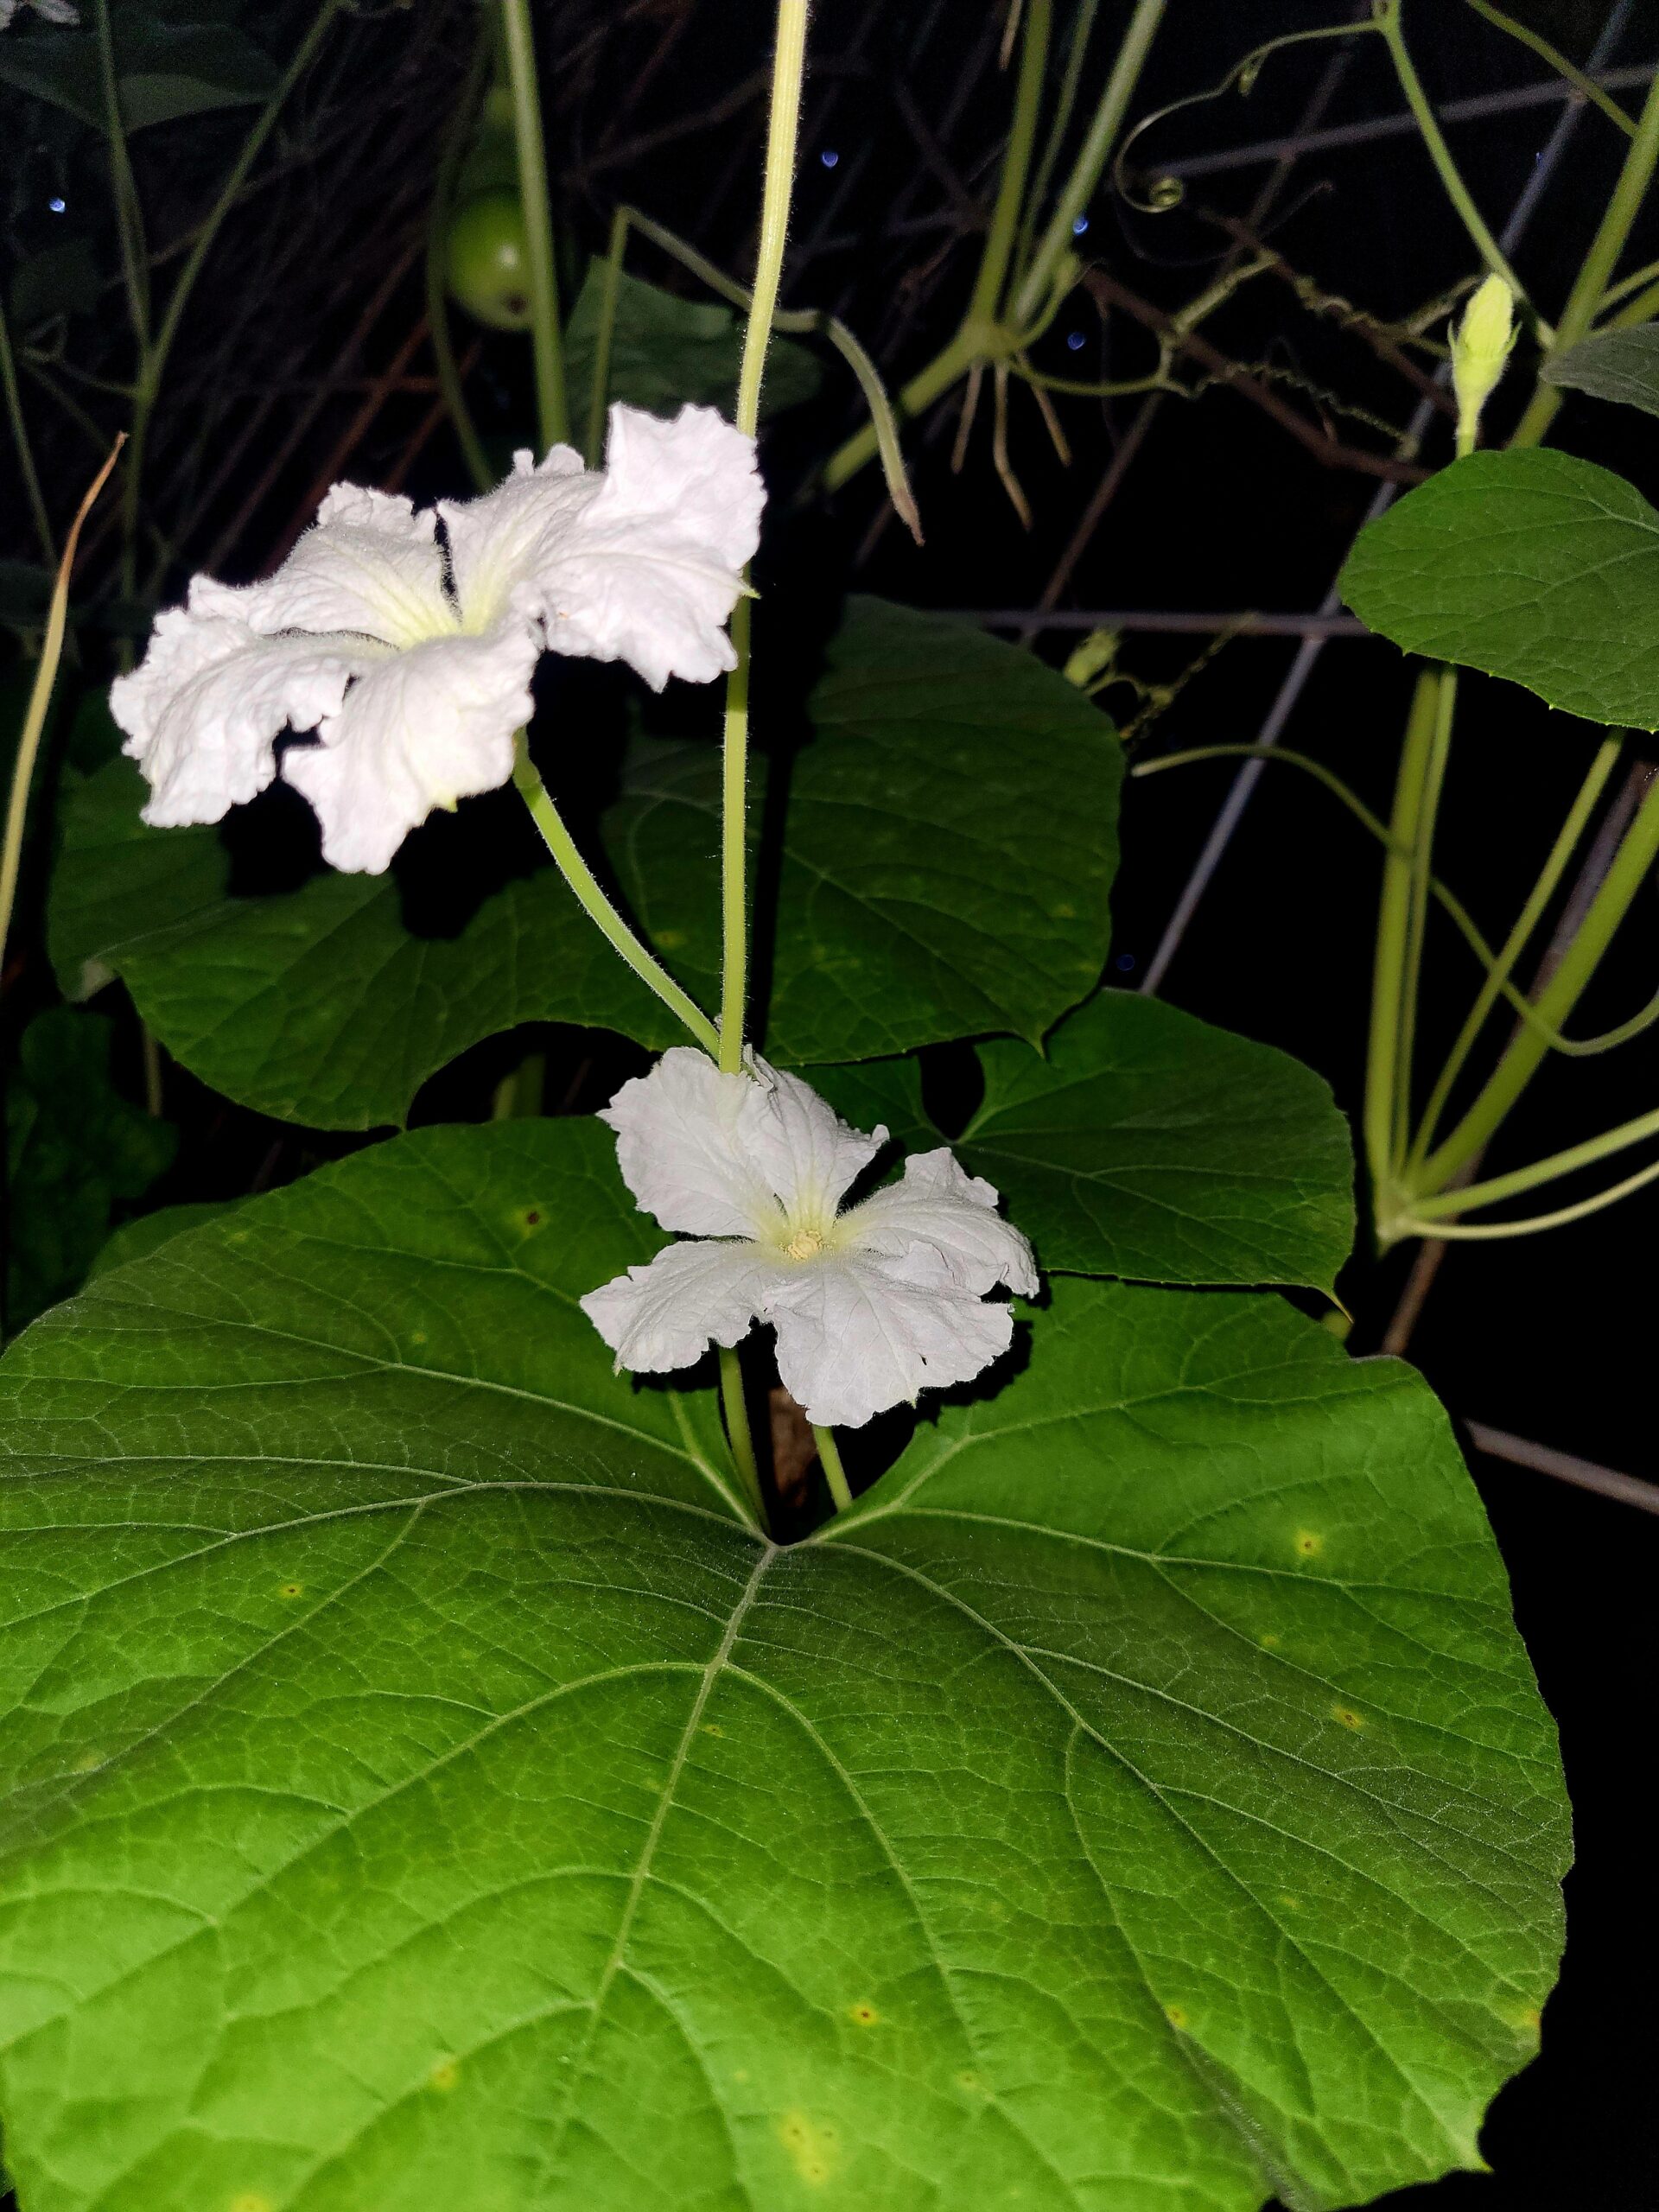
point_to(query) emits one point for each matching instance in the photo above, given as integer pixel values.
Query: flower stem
(834, 1473)
(736, 1407)
(591, 894)
(553, 410)
(788, 59)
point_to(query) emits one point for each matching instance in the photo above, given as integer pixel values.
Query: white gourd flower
(871, 1305)
(411, 660)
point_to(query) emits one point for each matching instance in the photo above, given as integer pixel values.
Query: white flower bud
(1481, 344)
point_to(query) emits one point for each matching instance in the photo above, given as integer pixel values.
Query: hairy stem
(834, 1473)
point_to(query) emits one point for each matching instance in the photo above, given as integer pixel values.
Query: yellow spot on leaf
(866, 2015)
(252, 2200)
(1271, 1641)
(89, 1762)
(1308, 1544)
(417, 1336)
(1348, 1717)
(813, 2147)
(972, 2083)
(290, 1589)
(445, 2074)
(1175, 2016)
(1289, 1903)
(669, 940)
(710, 1729)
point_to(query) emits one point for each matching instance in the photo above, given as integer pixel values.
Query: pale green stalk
(985, 304)
(1558, 1219)
(1548, 1170)
(39, 699)
(553, 412)
(1388, 21)
(1521, 1059)
(1079, 186)
(591, 894)
(1387, 1066)
(789, 61)
(1428, 808)
(834, 1473)
(1526, 922)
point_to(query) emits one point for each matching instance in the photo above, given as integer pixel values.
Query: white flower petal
(682, 1145)
(663, 1316)
(204, 708)
(425, 728)
(497, 540)
(648, 569)
(854, 1338)
(811, 1158)
(370, 562)
(941, 1224)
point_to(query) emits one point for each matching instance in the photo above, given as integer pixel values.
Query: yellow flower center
(805, 1245)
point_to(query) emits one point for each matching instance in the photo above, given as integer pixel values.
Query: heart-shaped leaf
(1530, 565)
(423, 1788)
(947, 846)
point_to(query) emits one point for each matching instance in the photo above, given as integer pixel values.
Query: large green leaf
(949, 843)
(666, 351)
(76, 1152)
(423, 1789)
(1533, 565)
(1620, 364)
(319, 1005)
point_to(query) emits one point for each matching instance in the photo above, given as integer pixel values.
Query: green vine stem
(598, 908)
(553, 410)
(1386, 15)
(1521, 1059)
(1387, 1065)
(1526, 922)
(834, 1473)
(1548, 1170)
(983, 337)
(1055, 243)
(1534, 1222)
(985, 301)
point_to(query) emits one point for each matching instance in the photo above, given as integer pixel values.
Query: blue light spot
(1076, 340)
(829, 157)
(1079, 224)
(57, 206)
(1124, 962)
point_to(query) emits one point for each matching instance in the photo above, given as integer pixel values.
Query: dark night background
(318, 284)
